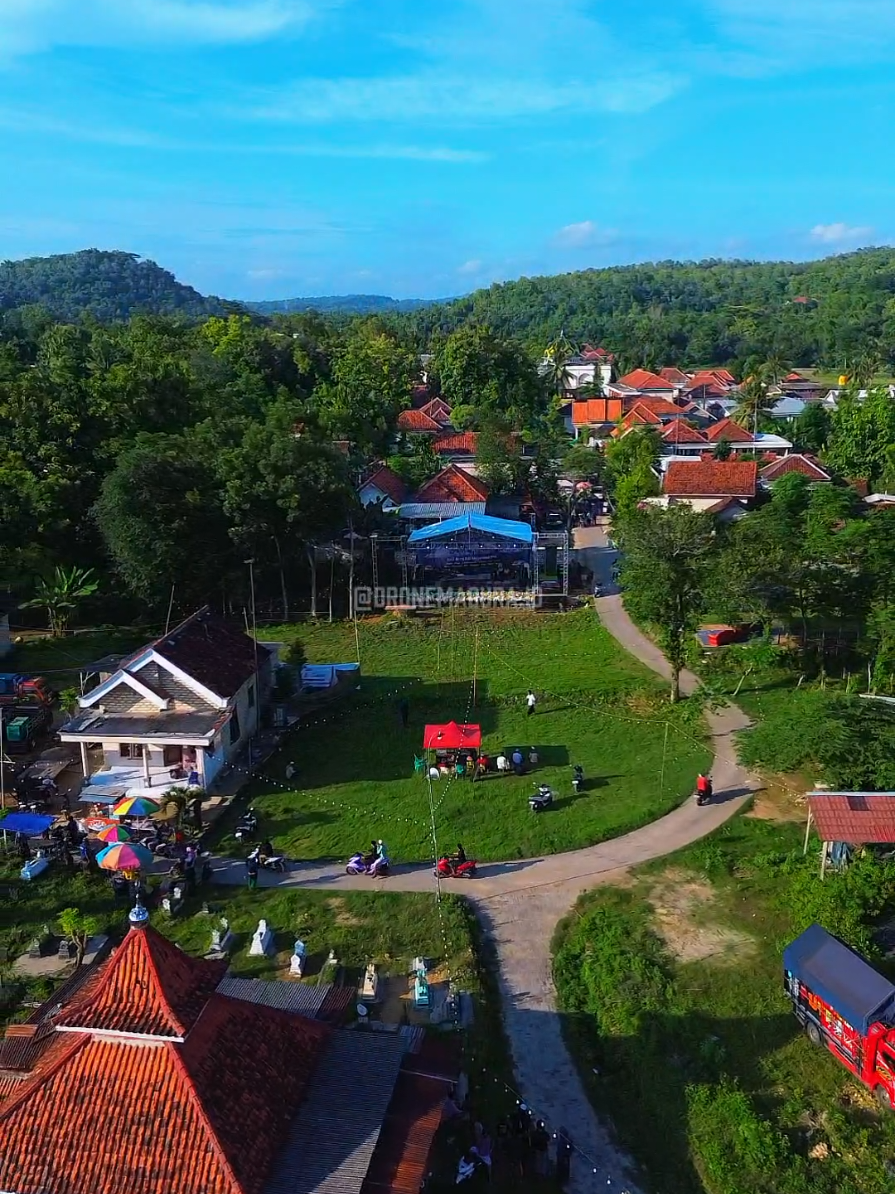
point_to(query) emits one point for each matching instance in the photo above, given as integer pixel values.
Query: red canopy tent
(451, 736)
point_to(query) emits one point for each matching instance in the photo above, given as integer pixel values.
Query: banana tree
(60, 594)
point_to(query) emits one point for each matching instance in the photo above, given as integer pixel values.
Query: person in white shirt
(503, 763)
(531, 701)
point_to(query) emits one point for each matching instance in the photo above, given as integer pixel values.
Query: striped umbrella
(124, 856)
(114, 833)
(136, 806)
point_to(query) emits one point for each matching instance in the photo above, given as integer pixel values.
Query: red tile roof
(658, 406)
(460, 441)
(795, 463)
(670, 373)
(417, 421)
(643, 379)
(712, 379)
(127, 1115)
(710, 478)
(438, 410)
(727, 429)
(596, 354)
(595, 411)
(639, 413)
(218, 654)
(389, 482)
(150, 987)
(680, 432)
(453, 484)
(794, 376)
(856, 817)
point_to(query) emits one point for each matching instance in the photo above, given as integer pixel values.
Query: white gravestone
(262, 943)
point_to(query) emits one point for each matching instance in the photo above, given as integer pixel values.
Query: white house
(186, 703)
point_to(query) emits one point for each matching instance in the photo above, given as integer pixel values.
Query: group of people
(521, 1146)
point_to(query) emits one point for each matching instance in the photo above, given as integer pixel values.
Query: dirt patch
(341, 914)
(681, 907)
(781, 799)
(396, 1004)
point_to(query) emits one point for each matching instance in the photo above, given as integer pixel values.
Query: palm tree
(180, 798)
(755, 396)
(556, 360)
(59, 595)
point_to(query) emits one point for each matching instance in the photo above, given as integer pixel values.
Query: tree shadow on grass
(651, 1078)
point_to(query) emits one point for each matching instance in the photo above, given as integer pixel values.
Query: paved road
(519, 904)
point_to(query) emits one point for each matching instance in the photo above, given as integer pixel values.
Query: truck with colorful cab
(844, 1005)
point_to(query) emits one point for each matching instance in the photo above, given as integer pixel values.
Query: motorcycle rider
(577, 777)
(265, 851)
(460, 857)
(703, 789)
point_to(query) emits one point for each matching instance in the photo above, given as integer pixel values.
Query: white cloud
(483, 61)
(577, 236)
(831, 29)
(470, 267)
(447, 97)
(838, 234)
(31, 26)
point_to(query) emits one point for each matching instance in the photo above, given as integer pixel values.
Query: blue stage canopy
(32, 824)
(505, 528)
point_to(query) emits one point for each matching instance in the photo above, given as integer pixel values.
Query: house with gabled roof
(438, 410)
(453, 484)
(644, 381)
(796, 462)
(417, 422)
(459, 446)
(149, 1079)
(383, 486)
(187, 703)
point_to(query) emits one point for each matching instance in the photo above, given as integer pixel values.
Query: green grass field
(596, 706)
(673, 1005)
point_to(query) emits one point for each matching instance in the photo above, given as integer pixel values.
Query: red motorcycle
(450, 868)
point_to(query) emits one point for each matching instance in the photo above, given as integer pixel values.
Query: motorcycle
(246, 827)
(450, 868)
(542, 799)
(269, 862)
(703, 796)
(358, 865)
(577, 778)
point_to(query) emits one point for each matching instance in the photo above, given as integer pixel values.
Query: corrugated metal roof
(299, 998)
(335, 1132)
(855, 817)
(440, 509)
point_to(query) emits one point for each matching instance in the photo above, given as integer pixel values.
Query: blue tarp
(840, 977)
(505, 528)
(31, 823)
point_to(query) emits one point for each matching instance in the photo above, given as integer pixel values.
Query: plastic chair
(419, 765)
(459, 770)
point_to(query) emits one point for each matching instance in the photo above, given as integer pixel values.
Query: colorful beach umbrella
(136, 806)
(114, 833)
(124, 856)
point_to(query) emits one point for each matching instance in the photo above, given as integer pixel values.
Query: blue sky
(269, 148)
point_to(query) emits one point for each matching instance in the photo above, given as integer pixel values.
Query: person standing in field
(531, 700)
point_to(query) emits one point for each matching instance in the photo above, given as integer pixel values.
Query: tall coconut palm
(556, 362)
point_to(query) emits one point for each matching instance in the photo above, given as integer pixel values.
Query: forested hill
(342, 304)
(106, 285)
(711, 312)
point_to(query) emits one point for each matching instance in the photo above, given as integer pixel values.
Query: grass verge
(671, 994)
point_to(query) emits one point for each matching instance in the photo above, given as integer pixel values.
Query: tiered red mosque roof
(152, 1083)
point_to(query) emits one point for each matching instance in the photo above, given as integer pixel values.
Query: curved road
(520, 903)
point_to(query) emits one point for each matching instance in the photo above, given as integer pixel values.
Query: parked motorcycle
(269, 862)
(358, 865)
(542, 799)
(246, 827)
(450, 868)
(577, 778)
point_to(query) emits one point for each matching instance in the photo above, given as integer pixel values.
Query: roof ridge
(199, 1107)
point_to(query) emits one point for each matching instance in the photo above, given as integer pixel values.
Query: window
(130, 750)
(251, 696)
(234, 728)
(173, 755)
